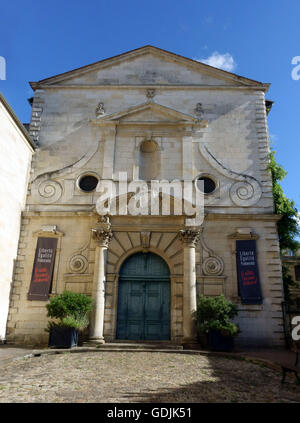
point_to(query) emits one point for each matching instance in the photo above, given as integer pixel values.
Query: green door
(144, 298)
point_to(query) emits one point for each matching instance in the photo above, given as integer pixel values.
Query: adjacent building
(292, 261)
(16, 151)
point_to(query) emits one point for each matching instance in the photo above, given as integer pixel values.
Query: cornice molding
(208, 216)
(156, 86)
(146, 106)
(241, 237)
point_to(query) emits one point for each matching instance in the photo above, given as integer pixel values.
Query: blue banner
(247, 270)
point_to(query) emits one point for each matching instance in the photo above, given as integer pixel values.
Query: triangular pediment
(148, 65)
(149, 112)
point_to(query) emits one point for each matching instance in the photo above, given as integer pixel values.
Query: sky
(257, 39)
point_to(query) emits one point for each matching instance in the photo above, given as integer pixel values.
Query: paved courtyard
(141, 377)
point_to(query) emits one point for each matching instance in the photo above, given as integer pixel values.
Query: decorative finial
(100, 110)
(150, 93)
(199, 109)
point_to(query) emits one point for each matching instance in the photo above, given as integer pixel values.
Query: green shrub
(288, 226)
(69, 309)
(214, 313)
(69, 322)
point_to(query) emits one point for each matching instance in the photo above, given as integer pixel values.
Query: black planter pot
(60, 337)
(202, 339)
(219, 342)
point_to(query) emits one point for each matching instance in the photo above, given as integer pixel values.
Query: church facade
(149, 115)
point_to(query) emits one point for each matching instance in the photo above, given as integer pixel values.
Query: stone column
(102, 235)
(189, 237)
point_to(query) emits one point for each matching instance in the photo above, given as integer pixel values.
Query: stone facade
(154, 115)
(16, 150)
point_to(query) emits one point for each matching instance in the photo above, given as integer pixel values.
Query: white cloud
(221, 61)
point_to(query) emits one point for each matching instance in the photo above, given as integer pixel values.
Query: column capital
(190, 236)
(102, 236)
(102, 232)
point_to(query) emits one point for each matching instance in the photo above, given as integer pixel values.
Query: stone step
(134, 345)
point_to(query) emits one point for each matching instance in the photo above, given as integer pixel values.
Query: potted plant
(69, 310)
(213, 321)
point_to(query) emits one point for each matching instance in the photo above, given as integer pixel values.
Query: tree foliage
(287, 226)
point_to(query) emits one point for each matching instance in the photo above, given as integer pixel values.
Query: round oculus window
(88, 183)
(205, 184)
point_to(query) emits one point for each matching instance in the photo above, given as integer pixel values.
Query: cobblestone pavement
(9, 352)
(141, 377)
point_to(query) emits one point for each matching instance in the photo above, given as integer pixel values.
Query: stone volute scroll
(245, 193)
(212, 265)
(47, 191)
(245, 190)
(78, 262)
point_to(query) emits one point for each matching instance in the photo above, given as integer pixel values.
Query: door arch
(143, 311)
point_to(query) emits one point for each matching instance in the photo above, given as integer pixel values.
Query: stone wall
(74, 267)
(238, 148)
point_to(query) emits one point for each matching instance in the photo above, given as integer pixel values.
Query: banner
(247, 270)
(42, 271)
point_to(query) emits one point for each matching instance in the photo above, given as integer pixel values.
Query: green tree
(287, 226)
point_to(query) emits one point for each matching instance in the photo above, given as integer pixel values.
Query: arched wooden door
(144, 298)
